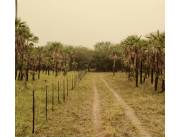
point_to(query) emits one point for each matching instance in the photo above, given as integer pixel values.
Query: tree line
(141, 57)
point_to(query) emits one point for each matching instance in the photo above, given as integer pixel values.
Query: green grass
(74, 117)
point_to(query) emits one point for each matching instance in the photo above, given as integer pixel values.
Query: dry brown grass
(75, 118)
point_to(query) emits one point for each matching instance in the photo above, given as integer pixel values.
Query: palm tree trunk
(148, 72)
(163, 86)
(145, 75)
(27, 72)
(56, 69)
(114, 64)
(137, 73)
(39, 71)
(21, 70)
(141, 73)
(152, 75)
(33, 75)
(156, 81)
(16, 71)
(157, 72)
(39, 68)
(19, 75)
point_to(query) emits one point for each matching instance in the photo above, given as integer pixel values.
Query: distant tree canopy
(134, 55)
(103, 56)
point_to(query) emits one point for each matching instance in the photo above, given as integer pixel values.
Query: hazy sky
(85, 22)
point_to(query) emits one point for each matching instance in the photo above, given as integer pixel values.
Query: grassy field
(83, 109)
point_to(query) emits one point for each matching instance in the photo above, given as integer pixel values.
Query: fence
(63, 85)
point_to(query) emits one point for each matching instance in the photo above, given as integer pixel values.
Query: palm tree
(114, 58)
(21, 31)
(23, 41)
(54, 56)
(143, 57)
(37, 52)
(132, 54)
(114, 62)
(157, 41)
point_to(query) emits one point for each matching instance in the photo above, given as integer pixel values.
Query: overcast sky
(85, 22)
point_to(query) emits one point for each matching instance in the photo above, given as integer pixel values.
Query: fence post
(67, 86)
(72, 81)
(64, 89)
(58, 91)
(52, 97)
(46, 103)
(33, 109)
(78, 79)
(75, 80)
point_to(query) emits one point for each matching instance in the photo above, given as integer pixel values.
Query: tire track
(129, 112)
(96, 111)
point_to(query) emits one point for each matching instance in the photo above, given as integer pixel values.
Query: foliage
(139, 56)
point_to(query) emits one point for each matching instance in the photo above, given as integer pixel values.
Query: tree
(23, 42)
(102, 56)
(132, 53)
(157, 41)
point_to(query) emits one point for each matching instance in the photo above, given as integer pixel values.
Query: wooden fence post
(46, 102)
(67, 87)
(72, 81)
(58, 91)
(33, 109)
(52, 97)
(64, 89)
